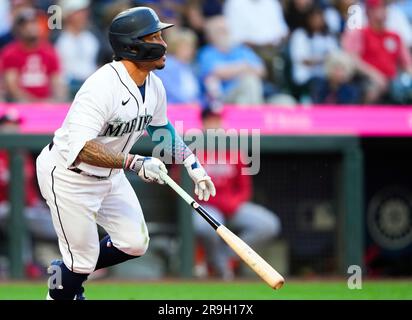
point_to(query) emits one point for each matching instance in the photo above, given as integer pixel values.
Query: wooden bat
(248, 255)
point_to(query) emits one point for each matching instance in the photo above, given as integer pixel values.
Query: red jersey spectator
(379, 53)
(8, 123)
(388, 44)
(30, 184)
(234, 188)
(30, 64)
(232, 206)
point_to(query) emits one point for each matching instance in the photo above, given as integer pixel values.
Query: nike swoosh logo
(125, 102)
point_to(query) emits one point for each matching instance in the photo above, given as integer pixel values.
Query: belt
(77, 170)
(84, 173)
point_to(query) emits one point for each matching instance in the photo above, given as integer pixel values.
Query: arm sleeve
(174, 144)
(89, 112)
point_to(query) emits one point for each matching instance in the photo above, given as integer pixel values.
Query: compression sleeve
(174, 144)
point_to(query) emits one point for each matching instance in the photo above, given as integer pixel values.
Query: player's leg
(122, 217)
(73, 202)
(255, 223)
(216, 250)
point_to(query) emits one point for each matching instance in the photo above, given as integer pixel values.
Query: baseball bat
(248, 255)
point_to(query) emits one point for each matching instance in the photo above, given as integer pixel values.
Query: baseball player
(81, 172)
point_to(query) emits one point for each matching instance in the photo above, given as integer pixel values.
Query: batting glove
(204, 186)
(147, 168)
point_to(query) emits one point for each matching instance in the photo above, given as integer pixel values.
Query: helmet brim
(159, 27)
(164, 26)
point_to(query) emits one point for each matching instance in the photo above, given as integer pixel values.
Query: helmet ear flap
(134, 49)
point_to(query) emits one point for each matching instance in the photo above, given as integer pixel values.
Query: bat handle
(179, 190)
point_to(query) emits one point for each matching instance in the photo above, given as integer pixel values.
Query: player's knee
(136, 247)
(268, 228)
(272, 227)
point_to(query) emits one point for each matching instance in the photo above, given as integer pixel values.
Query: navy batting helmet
(127, 30)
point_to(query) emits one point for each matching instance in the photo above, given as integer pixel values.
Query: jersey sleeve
(88, 114)
(160, 113)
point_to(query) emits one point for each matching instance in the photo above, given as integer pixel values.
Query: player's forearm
(174, 144)
(99, 155)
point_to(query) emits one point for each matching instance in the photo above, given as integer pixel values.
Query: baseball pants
(79, 203)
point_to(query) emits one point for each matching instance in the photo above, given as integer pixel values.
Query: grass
(371, 290)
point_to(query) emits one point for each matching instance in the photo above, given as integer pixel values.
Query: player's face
(157, 38)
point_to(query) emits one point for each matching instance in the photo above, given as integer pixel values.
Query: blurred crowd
(243, 52)
(283, 53)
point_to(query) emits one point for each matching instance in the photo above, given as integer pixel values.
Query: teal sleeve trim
(175, 145)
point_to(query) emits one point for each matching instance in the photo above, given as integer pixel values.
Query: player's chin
(161, 63)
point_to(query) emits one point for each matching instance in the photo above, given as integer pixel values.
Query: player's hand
(148, 168)
(204, 186)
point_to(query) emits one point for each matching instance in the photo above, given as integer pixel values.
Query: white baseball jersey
(110, 108)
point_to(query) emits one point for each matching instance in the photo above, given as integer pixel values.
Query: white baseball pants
(79, 203)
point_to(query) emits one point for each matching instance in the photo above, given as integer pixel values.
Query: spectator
(231, 73)
(197, 12)
(247, 19)
(38, 218)
(406, 7)
(295, 13)
(397, 21)
(30, 65)
(231, 206)
(76, 45)
(396, 18)
(169, 11)
(380, 69)
(309, 47)
(9, 10)
(337, 15)
(5, 23)
(261, 25)
(106, 14)
(178, 76)
(339, 86)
